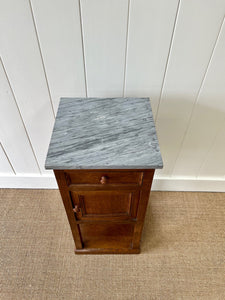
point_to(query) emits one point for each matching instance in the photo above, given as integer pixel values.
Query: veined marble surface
(104, 133)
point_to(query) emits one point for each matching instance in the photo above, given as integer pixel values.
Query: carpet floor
(182, 254)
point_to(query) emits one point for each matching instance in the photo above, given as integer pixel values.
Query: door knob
(76, 209)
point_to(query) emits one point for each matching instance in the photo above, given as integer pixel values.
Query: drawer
(103, 177)
(102, 205)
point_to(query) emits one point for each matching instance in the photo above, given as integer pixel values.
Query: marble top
(104, 133)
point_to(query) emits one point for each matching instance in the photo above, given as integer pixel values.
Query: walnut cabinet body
(105, 208)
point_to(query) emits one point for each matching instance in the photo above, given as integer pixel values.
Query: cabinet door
(105, 204)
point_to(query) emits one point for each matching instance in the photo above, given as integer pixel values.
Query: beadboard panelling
(12, 132)
(22, 60)
(151, 26)
(5, 167)
(207, 118)
(59, 32)
(104, 31)
(170, 51)
(195, 35)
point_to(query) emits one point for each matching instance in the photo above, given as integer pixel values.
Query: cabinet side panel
(59, 174)
(143, 203)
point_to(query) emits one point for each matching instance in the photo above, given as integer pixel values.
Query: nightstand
(104, 152)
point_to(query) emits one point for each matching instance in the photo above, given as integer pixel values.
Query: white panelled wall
(171, 51)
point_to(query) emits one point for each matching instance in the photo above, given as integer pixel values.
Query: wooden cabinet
(104, 152)
(105, 208)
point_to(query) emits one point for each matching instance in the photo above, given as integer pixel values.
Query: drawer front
(101, 205)
(102, 177)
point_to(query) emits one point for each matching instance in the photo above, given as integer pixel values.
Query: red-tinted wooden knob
(76, 209)
(103, 180)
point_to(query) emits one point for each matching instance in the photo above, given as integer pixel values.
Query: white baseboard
(189, 184)
(30, 181)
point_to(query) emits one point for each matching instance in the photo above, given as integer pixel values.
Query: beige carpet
(183, 251)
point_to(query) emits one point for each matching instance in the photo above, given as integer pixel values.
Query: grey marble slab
(104, 133)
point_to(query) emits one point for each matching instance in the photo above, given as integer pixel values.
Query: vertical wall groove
(126, 48)
(42, 60)
(82, 41)
(167, 60)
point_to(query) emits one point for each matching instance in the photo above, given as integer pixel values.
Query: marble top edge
(49, 167)
(101, 98)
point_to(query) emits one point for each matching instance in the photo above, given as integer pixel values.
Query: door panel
(89, 205)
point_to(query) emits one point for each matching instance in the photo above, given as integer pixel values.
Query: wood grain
(68, 208)
(94, 177)
(109, 219)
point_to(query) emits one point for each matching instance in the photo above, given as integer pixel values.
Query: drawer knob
(76, 209)
(103, 180)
